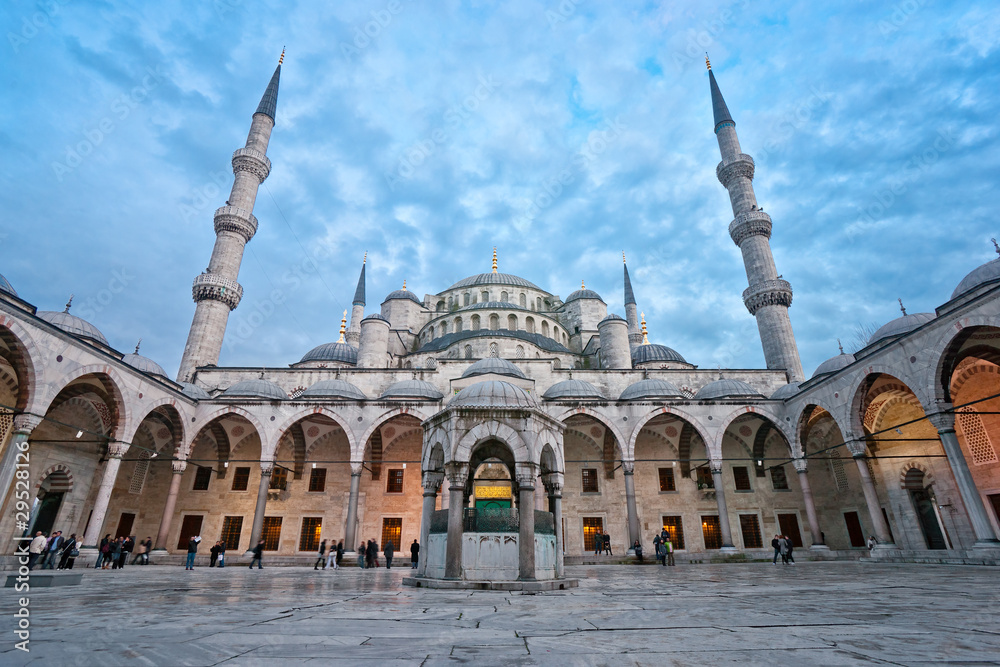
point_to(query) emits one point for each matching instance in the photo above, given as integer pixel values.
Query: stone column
(458, 475)
(266, 468)
(628, 468)
(116, 451)
(554, 488)
(857, 449)
(720, 499)
(526, 475)
(944, 422)
(801, 467)
(178, 468)
(350, 530)
(23, 426)
(431, 484)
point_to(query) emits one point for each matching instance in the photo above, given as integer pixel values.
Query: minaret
(358, 307)
(634, 335)
(216, 291)
(768, 296)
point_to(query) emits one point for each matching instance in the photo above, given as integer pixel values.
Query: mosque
(495, 406)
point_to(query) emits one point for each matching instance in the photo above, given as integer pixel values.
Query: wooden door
(789, 525)
(190, 527)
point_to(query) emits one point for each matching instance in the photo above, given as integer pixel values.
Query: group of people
(663, 544)
(334, 556)
(55, 551)
(782, 545)
(602, 542)
(368, 554)
(114, 553)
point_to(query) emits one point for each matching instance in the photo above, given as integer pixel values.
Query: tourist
(69, 554)
(340, 554)
(321, 555)
(128, 545)
(791, 547)
(149, 550)
(598, 543)
(607, 544)
(139, 553)
(668, 551)
(637, 549)
(53, 546)
(362, 555)
(104, 560)
(192, 551)
(331, 556)
(776, 544)
(36, 549)
(116, 553)
(414, 554)
(213, 553)
(389, 549)
(371, 554)
(656, 547)
(258, 555)
(222, 554)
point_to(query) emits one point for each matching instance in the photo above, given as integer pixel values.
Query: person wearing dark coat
(213, 554)
(389, 549)
(258, 555)
(103, 552)
(607, 544)
(371, 554)
(192, 552)
(320, 556)
(776, 545)
(116, 553)
(340, 554)
(66, 562)
(128, 545)
(414, 554)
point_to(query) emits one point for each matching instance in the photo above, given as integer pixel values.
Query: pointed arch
(24, 357)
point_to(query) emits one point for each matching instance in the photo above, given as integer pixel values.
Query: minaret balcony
(253, 161)
(775, 292)
(737, 166)
(237, 220)
(218, 288)
(750, 223)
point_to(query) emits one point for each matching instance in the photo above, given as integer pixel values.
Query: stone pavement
(824, 613)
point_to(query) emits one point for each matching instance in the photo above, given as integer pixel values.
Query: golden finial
(69, 303)
(343, 327)
(582, 286)
(707, 63)
(645, 334)
(494, 259)
(901, 307)
(282, 58)
(365, 260)
(404, 284)
(137, 346)
(623, 257)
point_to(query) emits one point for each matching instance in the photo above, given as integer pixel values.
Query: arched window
(444, 328)
(523, 301)
(475, 322)
(430, 332)
(503, 296)
(441, 306)
(466, 297)
(468, 351)
(494, 322)
(545, 328)
(512, 322)
(529, 324)
(451, 302)
(485, 296)
(458, 324)
(519, 352)
(494, 350)
(538, 304)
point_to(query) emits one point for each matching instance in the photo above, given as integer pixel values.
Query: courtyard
(813, 613)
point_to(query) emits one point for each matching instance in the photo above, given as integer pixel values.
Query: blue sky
(873, 126)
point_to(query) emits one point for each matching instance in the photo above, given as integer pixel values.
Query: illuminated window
(742, 478)
(675, 529)
(392, 531)
(232, 526)
(309, 539)
(271, 534)
(202, 476)
(241, 479)
(590, 480)
(317, 480)
(394, 484)
(750, 526)
(591, 526)
(279, 479)
(711, 532)
(667, 480)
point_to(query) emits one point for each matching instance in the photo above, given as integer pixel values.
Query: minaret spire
(358, 307)
(216, 291)
(631, 315)
(768, 295)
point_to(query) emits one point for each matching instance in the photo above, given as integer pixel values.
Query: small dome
(493, 394)
(334, 389)
(341, 352)
(583, 294)
(834, 364)
(786, 391)
(987, 273)
(900, 326)
(194, 391)
(74, 325)
(651, 388)
(726, 388)
(413, 390)
(375, 316)
(611, 318)
(568, 389)
(5, 286)
(404, 294)
(493, 365)
(653, 352)
(258, 388)
(144, 364)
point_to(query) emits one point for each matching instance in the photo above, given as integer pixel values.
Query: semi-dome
(404, 294)
(583, 294)
(144, 364)
(341, 352)
(653, 352)
(726, 388)
(981, 275)
(495, 279)
(193, 391)
(74, 325)
(256, 388)
(652, 388)
(493, 394)
(570, 389)
(785, 391)
(334, 389)
(834, 364)
(900, 326)
(493, 365)
(413, 390)
(5, 286)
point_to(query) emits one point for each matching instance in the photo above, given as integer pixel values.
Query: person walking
(414, 554)
(212, 554)
(258, 555)
(668, 551)
(331, 556)
(52, 549)
(656, 548)
(389, 550)
(140, 551)
(783, 544)
(607, 544)
(106, 546)
(362, 555)
(36, 549)
(321, 556)
(776, 545)
(66, 562)
(791, 548)
(637, 550)
(192, 551)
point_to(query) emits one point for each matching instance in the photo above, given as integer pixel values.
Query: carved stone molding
(750, 223)
(776, 292)
(236, 220)
(218, 288)
(738, 166)
(253, 162)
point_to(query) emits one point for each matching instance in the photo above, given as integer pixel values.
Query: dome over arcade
(726, 388)
(981, 275)
(652, 352)
(194, 391)
(493, 394)
(257, 388)
(900, 326)
(834, 364)
(143, 364)
(572, 389)
(334, 389)
(72, 324)
(412, 390)
(5, 286)
(493, 365)
(652, 388)
(786, 391)
(340, 352)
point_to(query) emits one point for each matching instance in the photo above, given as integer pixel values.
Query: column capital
(857, 448)
(943, 421)
(526, 474)
(715, 467)
(431, 481)
(801, 465)
(25, 423)
(458, 474)
(553, 482)
(266, 468)
(628, 467)
(178, 467)
(117, 450)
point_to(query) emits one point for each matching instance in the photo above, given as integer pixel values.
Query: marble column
(458, 474)
(351, 528)
(431, 483)
(857, 449)
(23, 426)
(177, 469)
(266, 468)
(628, 468)
(116, 451)
(526, 523)
(944, 422)
(555, 506)
(720, 499)
(801, 467)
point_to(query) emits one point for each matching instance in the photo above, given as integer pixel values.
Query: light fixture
(404, 466)
(153, 455)
(226, 464)
(79, 434)
(675, 464)
(314, 466)
(760, 463)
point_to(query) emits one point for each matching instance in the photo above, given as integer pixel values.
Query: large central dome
(495, 279)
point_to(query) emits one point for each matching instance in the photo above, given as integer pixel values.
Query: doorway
(854, 530)
(923, 504)
(788, 524)
(46, 512)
